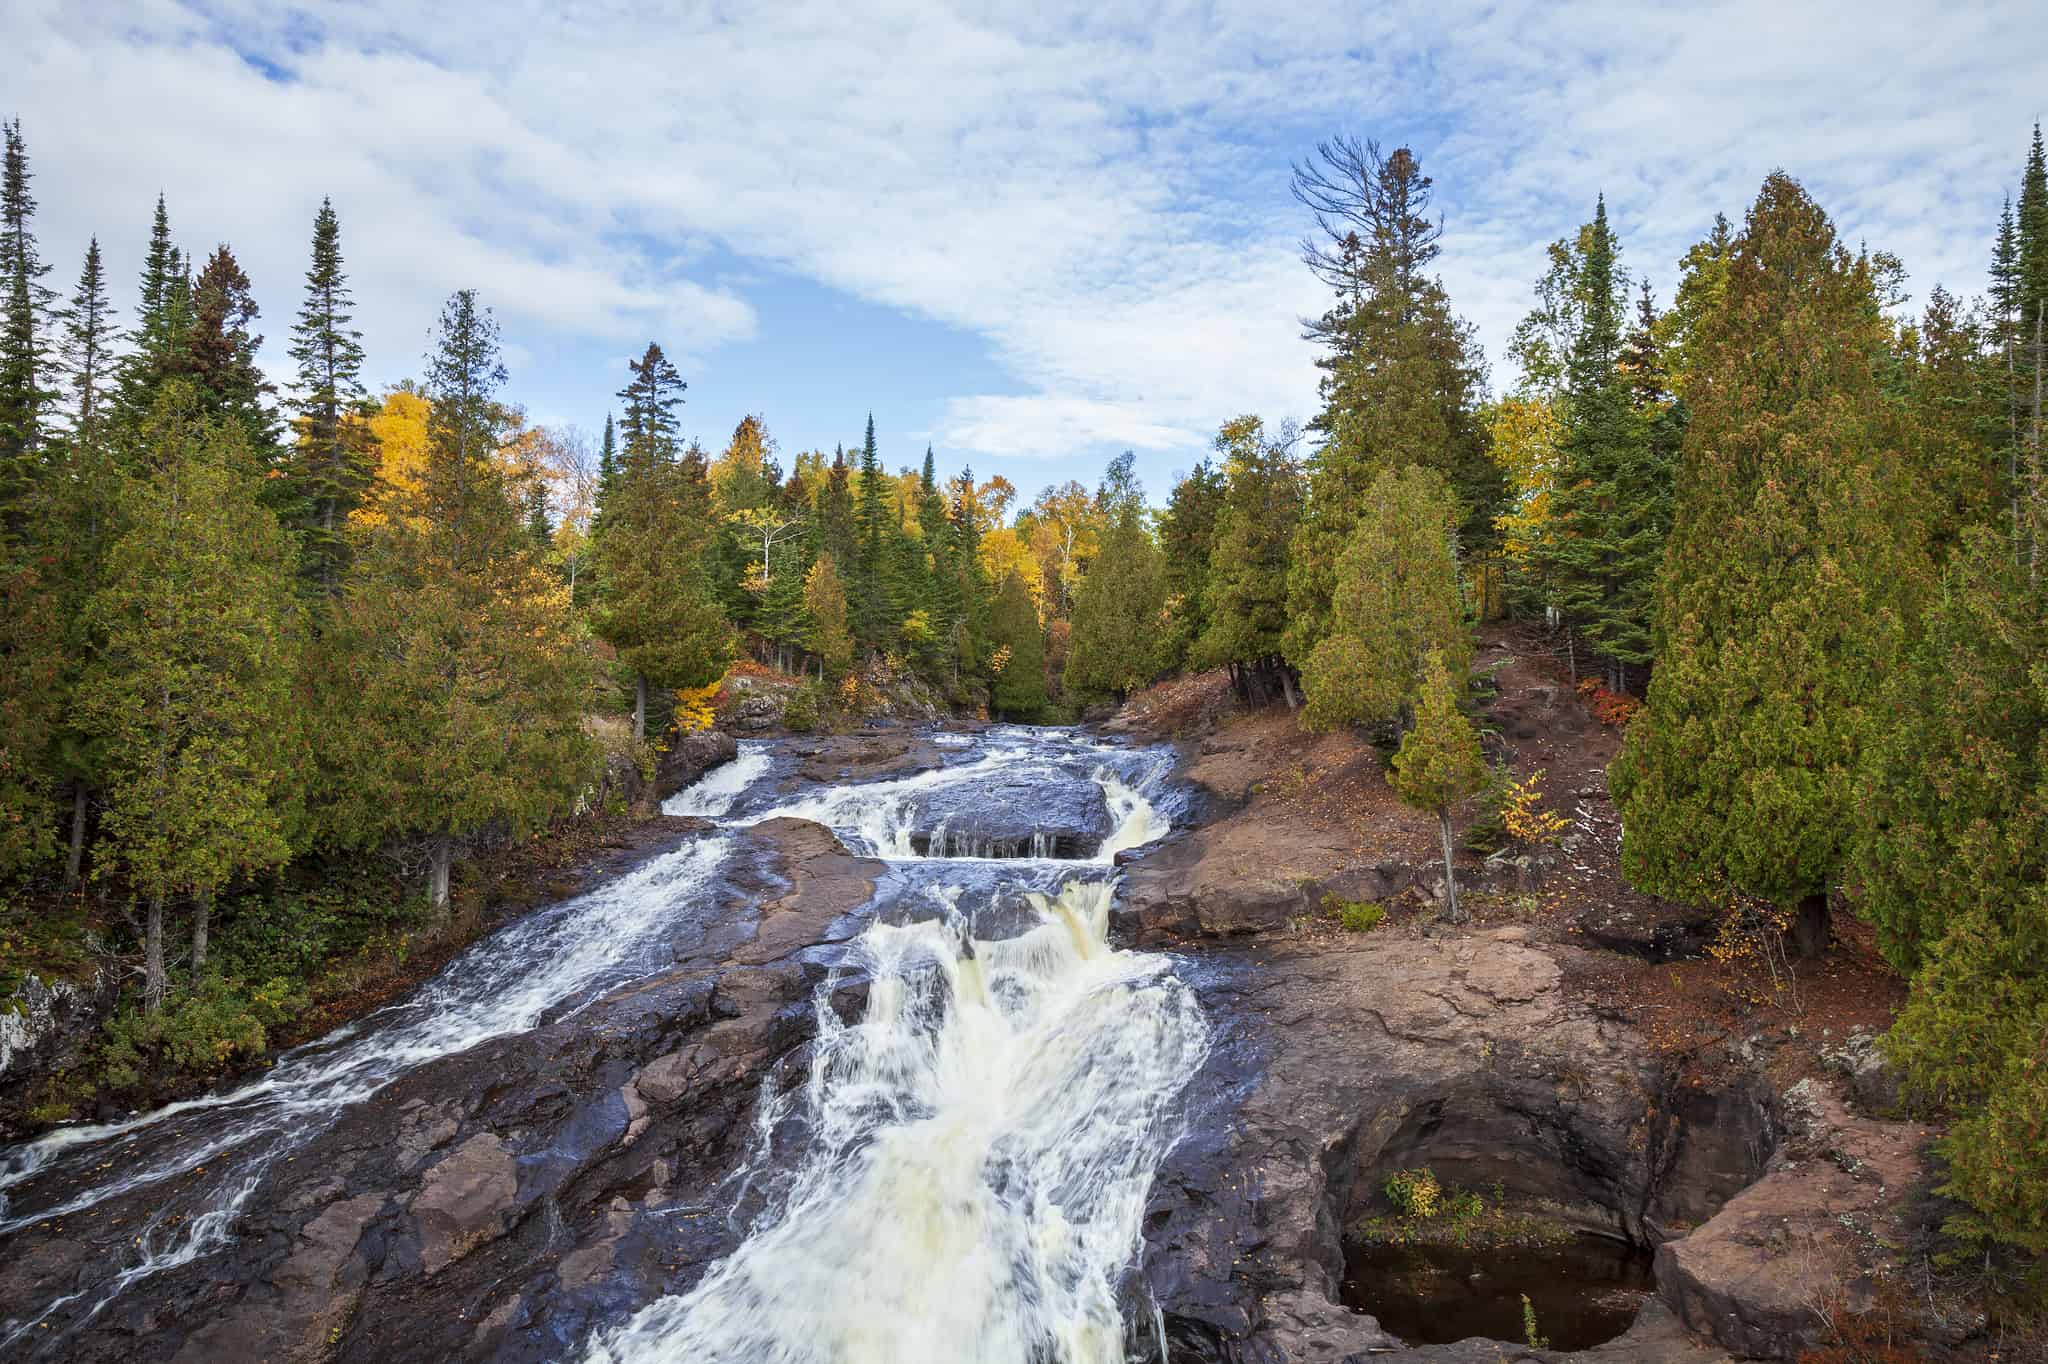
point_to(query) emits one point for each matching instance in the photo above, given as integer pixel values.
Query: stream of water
(960, 1175)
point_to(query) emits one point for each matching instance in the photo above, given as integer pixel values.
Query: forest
(277, 664)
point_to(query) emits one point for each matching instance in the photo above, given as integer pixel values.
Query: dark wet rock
(499, 1202)
(1010, 818)
(1656, 934)
(688, 757)
(835, 758)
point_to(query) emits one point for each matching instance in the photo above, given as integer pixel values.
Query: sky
(1030, 236)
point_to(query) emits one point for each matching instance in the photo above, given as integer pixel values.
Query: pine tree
(192, 688)
(1788, 576)
(969, 634)
(86, 353)
(1018, 639)
(874, 613)
(1246, 598)
(1439, 763)
(607, 460)
(333, 459)
(1398, 599)
(1404, 378)
(656, 605)
(24, 334)
(835, 532)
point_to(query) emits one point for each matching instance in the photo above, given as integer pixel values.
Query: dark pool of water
(1585, 1291)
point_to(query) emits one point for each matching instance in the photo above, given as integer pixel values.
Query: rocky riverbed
(514, 1198)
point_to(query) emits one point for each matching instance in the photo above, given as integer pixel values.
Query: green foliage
(331, 464)
(1398, 597)
(1246, 593)
(1789, 577)
(198, 1033)
(1414, 1193)
(1357, 916)
(1530, 1337)
(1019, 640)
(1439, 762)
(803, 711)
(825, 602)
(1119, 613)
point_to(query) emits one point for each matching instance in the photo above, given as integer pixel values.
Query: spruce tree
(1789, 574)
(25, 303)
(333, 460)
(1246, 598)
(1398, 599)
(874, 612)
(86, 349)
(835, 532)
(1608, 514)
(163, 322)
(1017, 638)
(656, 604)
(220, 354)
(1439, 763)
(192, 688)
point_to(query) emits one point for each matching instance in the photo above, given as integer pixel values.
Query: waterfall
(713, 794)
(978, 1148)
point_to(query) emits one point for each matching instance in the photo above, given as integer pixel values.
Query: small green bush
(1360, 916)
(1488, 831)
(804, 708)
(1415, 1193)
(197, 1032)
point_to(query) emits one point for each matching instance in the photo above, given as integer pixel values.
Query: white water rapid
(960, 1176)
(978, 1145)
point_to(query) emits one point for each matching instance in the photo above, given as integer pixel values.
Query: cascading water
(979, 1147)
(974, 1151)
(963, 1172)
(503, 984)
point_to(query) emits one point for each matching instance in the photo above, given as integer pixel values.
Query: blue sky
(1030, 236)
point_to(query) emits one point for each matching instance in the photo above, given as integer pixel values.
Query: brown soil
(1313, 805)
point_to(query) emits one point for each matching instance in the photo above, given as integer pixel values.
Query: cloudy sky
(1029, 235)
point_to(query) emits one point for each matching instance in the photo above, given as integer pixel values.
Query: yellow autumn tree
(400, 426)
(1525, 436)
(1003, 552)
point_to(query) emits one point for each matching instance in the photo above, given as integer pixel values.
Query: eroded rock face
(496, 1203)
(1756, 1277)
(1339, 1064)
(689, 757)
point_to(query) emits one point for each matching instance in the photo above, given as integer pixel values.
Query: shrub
(1357, 916)
(196, 1033)
(1415, 1193)
(1488, 831)
(804, 709)
(1523, 816)
(1610, 708)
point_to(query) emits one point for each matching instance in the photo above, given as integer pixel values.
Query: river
(956, 1169)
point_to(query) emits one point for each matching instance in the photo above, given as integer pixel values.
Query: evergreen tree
(333, 458)
(220, 355)
(1608, 514)
(1702, 285)
(1790, 570)
(1119, 626)
(835, 532)
(1955, 421)
(607, 460)
(874, 613)
(656, 605)
(86, 351)
(24, 332)
(162, 326)
(970, 588)
(1398, 599)
(192, 687)
(1439, 763)
(450, 689)
(1246, 597)
(1018, 662)
(1187, 535)
(1404, 378)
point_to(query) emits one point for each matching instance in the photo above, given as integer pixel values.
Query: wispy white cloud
(1098, 192)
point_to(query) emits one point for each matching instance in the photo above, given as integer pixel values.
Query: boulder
(688, 757)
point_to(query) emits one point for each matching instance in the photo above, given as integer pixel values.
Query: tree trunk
(444, 857)
(2034, 459)
(1287, 686)
(201, 912)
(74, 865)
(1451, 910)
(153, 957)
(1571, 656)
(639, 709)
(1809, 930)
